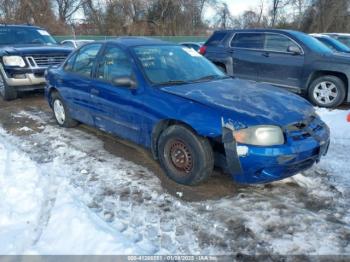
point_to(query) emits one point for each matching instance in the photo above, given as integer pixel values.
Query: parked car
(342, 37)
(194, 45)
(25, 53)
(73, 43)
(172, 100)
(332, 43)
(288, 59)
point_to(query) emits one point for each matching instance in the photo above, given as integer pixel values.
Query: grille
(305, 129)
(45, 61)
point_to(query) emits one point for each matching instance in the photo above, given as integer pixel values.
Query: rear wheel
(7, 92)
(186, 157)
(61, 112)
(327, 91)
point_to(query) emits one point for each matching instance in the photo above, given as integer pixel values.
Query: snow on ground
(41, 213)
(62, 193)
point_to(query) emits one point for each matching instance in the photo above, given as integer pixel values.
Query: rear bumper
(257, 165)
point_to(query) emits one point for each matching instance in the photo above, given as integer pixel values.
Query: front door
(117, 107)
(279, 66)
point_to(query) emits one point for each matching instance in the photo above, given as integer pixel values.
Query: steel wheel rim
(179, 156)
(325, 92)
(2, 86)
(59, 111)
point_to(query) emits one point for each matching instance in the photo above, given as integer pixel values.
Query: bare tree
(67, 8)
(8, 10)
(223, 16)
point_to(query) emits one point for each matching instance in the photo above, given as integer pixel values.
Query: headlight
(260, 136)
(13, 61)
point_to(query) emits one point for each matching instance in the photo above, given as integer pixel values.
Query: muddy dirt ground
(218, 186)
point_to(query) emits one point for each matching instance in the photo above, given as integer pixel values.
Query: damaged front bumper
(249, 164)
(24, 79)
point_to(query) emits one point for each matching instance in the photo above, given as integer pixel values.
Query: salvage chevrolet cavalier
(175, 102)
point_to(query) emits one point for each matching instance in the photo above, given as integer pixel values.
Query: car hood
(35, 49)
(247, 102)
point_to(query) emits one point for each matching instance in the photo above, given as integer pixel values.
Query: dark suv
(25, 53)
(284, 58)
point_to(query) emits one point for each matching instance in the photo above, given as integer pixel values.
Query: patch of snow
(25, 129)
(42, 214)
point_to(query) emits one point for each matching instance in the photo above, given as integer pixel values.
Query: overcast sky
(236, 7)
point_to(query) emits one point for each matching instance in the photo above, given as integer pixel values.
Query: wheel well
(221, 64)
(318, 74)
(52, 90)
(160, 127)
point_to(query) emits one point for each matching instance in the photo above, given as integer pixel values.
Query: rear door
(247, 51)
(118, 108)
(279, 66)
(75, 82)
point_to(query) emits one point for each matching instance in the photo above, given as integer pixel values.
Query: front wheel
(61, 112)
(186, 157)
(7, 92)
(327, 91)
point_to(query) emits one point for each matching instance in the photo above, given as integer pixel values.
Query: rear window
(248, 40)
(216, 38)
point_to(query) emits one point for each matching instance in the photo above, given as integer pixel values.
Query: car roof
(78, 40)
(321, 35)
(338, 34)
(195, 43)
(131, 41)
(257, 30)
(21, 26)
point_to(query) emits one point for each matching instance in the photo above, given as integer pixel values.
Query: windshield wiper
(210, 77)
(173, 82)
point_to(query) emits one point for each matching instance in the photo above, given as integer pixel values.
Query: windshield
(344, 39)
(312, 42)
(175, 65)
(25, 36)
(338, 46)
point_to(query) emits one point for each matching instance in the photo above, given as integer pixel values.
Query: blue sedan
(176, 103)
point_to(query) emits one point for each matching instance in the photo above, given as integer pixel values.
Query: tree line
(174, 17)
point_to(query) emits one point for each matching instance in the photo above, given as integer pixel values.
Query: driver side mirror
(294, 50)
(125, 81)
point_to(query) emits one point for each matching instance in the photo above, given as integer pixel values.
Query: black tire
(68, 121)
(332, 83)
(180, 143)
(7, 92)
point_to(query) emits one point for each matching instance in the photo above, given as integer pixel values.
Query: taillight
(348, 118)
(202, 50)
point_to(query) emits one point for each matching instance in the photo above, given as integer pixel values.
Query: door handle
(95, 91)
(266, 54)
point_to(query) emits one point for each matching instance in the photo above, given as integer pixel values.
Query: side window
(115, 63)
(85, 59)
(68, 66)
(279, 43)
(248, 40)
(216, 38)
